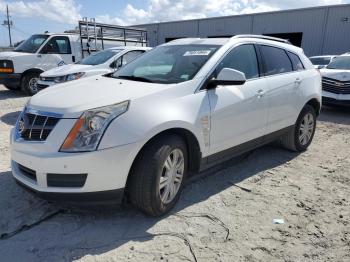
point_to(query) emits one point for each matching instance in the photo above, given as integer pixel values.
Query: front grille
(335, 86)
(34, 127)
(27, 172)
(66, 180)
(41, 86)
(49, 79)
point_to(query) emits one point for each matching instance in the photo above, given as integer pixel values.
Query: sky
(37, 16)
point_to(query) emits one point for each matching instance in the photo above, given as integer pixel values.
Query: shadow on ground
(335, 114)
(10, 94)
(10, 118)
(34, 230)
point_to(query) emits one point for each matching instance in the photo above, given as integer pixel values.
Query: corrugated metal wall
(326, 30)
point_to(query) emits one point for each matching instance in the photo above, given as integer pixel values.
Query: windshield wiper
(136, 78)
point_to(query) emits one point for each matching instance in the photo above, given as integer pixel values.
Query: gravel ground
(226, 215)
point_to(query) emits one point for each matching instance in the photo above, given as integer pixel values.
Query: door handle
(297, 81)
(260, 93)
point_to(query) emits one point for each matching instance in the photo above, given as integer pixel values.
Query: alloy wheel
(306, 129)
(172, 175)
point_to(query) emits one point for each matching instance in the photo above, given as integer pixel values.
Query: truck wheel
(29, 82)
(158, 175)
(12, 87)
(300, 137)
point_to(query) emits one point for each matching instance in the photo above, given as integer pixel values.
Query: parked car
(99, 63)
(20, 68)
(321, 61)
(178, 109)
(336, 81)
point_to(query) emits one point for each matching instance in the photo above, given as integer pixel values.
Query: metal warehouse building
(318, 30)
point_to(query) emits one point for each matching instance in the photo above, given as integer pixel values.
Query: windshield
(99, 57)
(168, 64)
(342, 62)
(32, 44)
(320, 60)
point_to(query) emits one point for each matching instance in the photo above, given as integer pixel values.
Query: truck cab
(20, 68)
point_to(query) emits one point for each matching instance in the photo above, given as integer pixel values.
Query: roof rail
(286, 41)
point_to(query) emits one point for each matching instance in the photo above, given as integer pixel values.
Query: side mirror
(321, 66)
(228, 76)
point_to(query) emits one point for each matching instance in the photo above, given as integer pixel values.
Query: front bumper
(106, 171)
(335, 99)
(13, 79)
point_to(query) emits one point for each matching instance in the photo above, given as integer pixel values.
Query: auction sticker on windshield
(197, 52)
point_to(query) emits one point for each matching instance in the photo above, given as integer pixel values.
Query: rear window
(297, 64)
(276, 60)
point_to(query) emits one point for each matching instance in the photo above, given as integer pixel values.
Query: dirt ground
(226, 215)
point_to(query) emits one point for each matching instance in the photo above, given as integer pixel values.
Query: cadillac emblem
(339, 84)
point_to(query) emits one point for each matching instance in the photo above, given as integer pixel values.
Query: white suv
(178, 109)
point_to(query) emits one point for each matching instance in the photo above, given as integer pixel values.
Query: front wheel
(300, 137)
(158, 176)
(29, 83)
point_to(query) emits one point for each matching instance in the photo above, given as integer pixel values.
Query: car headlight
(89, 128)
(70, 77)
(74, 76)
(59, 79)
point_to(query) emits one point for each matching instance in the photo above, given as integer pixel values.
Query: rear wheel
(158, 176)
(29, 83)
(300, 137)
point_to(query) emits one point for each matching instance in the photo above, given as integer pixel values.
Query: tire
(12, 87)
(28, 84)
(293, 139)
(144, 189)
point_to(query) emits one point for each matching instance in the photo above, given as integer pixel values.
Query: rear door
(283, 84)
(126, 58)
(238, 112)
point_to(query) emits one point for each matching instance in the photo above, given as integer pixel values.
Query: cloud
(63, 11)
(68, 11)
(170, 10)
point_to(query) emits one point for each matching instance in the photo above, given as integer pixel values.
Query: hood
(66, 70)
(9, 55)
(340, 75)
(72, 98)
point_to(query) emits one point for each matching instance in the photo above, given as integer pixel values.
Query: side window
(128, 57)
(297, 64)
(276, 60)
(57, 45)
(242, 58)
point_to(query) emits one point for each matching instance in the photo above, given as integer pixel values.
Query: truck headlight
(89, 128)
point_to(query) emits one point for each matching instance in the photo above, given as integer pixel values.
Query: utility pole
(8, 23)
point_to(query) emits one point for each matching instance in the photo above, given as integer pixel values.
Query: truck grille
(41, 86)
(34, 127)
(335, 86)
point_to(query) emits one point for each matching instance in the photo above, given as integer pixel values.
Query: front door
(57, 51)
(238, 112)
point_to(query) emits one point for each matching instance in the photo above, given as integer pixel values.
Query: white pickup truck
(20, 68)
